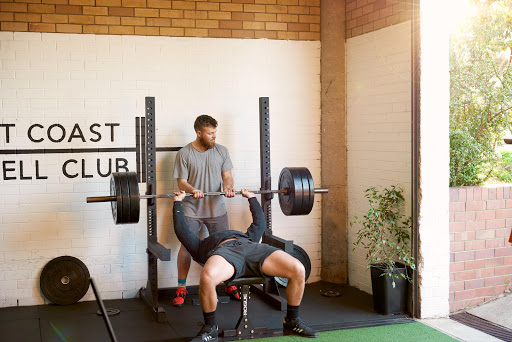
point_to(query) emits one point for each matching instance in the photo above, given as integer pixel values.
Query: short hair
(204, 121)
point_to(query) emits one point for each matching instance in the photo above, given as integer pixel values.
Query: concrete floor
(458, 330)
(498, 311)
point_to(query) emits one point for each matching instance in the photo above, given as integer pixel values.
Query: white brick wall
(378, 125)
(68, 79)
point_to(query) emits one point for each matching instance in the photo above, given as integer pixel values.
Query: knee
(207, 278)
(297, 270)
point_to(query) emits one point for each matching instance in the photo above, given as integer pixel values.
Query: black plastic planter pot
(386, 299)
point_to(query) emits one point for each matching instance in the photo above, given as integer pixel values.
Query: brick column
(334, 167)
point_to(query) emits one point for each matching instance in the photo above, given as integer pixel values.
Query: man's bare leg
(183, 263)
(281, 264)
(215, 271)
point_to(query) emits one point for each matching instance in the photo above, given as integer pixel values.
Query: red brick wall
(480, 254)
(365, 16)
(272, 19)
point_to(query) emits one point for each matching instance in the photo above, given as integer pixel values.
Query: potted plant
(385, 234)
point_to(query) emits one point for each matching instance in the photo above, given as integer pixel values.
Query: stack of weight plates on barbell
(125, 187)
(300, 196)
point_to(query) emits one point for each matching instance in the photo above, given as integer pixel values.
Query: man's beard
(207, 144)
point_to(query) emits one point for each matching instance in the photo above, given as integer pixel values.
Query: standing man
(203, 166)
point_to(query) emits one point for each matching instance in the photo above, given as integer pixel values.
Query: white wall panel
(378, 126)
(81, 80)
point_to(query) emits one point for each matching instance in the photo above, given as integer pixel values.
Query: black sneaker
(297, 327)
(207, 334)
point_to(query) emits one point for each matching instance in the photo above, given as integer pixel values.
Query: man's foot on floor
(297, 327)
(232, 291)
(179, 300)
(207, 334)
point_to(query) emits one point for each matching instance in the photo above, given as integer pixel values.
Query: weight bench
(244, 328)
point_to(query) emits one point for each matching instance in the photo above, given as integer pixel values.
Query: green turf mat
(416, 331)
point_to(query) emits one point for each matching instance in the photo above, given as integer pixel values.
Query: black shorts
(245, 256)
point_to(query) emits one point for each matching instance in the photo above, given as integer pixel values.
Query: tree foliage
(480, 91)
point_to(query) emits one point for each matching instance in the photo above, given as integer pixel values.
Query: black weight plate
(64, 280)
(286, 200)
(309, 191)
(299, 190)
(133, 186)
(115, 190)
(113, 203)
(305, 191)
(301, 255)
(125, 195)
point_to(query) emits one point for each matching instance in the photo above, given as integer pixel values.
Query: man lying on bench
(231, 254)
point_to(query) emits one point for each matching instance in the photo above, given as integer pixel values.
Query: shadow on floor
(135, 323)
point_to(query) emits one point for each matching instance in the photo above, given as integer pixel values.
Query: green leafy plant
(504, 173)
(384, 232)
(480, 92)
(471, 162)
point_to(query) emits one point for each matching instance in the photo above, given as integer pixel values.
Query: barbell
(296, 194)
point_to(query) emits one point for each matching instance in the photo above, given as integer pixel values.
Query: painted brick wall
(365, 16)
(51, 79)
(480, 255)
(271, 19)
(433, 160)
(378, 125)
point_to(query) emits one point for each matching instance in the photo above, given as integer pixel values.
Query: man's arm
(258, 225)
(184, 185)
(228, 183)
(189, 240)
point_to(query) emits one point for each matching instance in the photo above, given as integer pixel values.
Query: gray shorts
(245, 256)
(213, 224)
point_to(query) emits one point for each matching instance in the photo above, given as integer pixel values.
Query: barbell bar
(210, 193)
(296, 194)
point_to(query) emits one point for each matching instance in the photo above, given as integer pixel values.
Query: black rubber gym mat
(15, 330)
(135, 322)
(18, 313)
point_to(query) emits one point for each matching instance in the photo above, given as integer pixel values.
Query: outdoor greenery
(504, 172)
(384, 231)
(480, 92)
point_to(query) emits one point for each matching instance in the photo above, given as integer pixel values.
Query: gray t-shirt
(203, 170)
